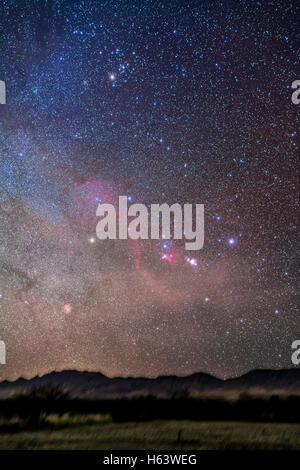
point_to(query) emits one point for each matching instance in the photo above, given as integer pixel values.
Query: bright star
(232, 241)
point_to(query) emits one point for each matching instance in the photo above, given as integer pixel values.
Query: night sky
(161, 101)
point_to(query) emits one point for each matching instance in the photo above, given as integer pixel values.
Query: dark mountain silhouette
(97, 386)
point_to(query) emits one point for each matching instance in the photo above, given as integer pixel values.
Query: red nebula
(67, 308)
(85, 197)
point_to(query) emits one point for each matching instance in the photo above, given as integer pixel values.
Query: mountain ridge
(85, 384)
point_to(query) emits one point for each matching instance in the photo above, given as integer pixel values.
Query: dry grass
(98, 432)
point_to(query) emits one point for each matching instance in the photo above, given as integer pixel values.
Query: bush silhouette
(34, 406)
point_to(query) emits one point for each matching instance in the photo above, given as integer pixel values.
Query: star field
(172, 101)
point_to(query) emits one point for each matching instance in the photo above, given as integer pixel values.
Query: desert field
(100, 433)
